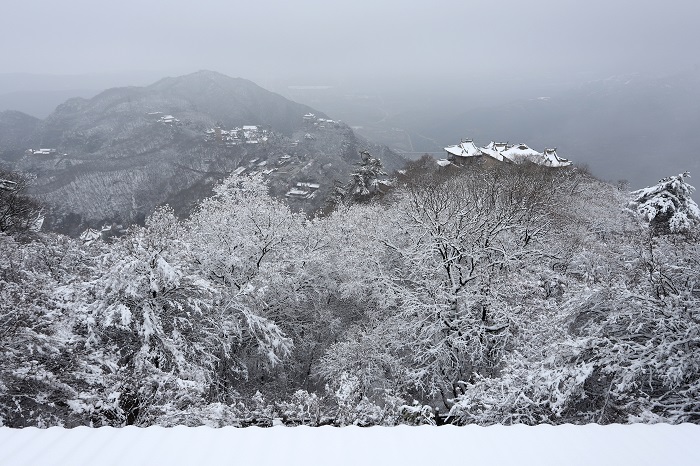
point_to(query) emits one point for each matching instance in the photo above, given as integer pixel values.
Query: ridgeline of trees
(498, 295)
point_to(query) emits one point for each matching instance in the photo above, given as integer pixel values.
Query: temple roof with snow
(464, 149)
(504, 152)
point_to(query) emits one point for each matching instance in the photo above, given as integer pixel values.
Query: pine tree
(667, 206)
(365, 183)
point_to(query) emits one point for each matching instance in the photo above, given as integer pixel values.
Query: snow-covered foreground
(637, 445)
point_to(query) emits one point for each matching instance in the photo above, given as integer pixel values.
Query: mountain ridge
(16, 129)
(116, 156)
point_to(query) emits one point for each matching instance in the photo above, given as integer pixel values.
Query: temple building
(467, 152)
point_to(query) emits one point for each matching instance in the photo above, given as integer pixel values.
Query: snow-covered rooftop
(553, 160)
(494, 150)
(296, 192)
(520, 151)
(8, 185)
(90, 235)
(464, 149)
(544, 445)
(503, 151)
(309, 185)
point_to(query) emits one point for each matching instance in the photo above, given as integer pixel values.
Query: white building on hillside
(464, 149)
(502, 152)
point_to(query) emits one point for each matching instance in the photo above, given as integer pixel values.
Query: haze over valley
(624, 127)
(613, 86)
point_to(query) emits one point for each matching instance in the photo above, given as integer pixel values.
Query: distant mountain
(116, 156)
(17, 131)
(40, 104)
(233, 101)
(624, 127)
(39, 94)
(204, 98)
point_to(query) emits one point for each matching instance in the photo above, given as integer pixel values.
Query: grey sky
(312, 38)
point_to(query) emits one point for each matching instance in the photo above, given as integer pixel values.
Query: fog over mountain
(394, 69)
(310, 38)
(630, 127)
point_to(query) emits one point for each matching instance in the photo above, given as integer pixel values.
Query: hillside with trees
(508, 294)
(113, 158)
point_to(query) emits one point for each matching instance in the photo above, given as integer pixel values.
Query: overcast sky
(303, 39)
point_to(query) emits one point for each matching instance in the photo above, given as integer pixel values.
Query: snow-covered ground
(658, 444)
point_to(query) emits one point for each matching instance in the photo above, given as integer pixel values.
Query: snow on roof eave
(492, 153)
(464, 149)
(521, 148)
(564, 162)
(494, 145)
(471, 148)
(455, 150)
(515, 151)
(553, 159)
(559, 162)
(508, 157)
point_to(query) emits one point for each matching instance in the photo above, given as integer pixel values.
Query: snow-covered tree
(38, 366)
(618, 345)
(243, 242)
(366, 182)
(510, 294)
(668, 206)
(172, 337)
(427, 276)
(19, 213)
(150, 319)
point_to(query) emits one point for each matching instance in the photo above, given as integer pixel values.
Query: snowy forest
(494, 294)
